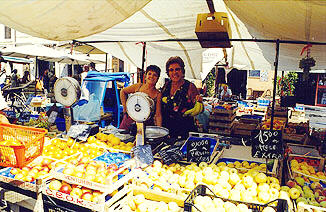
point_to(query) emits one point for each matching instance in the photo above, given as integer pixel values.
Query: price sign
(267, 144)
(171, 155)
(143, 154)
(198, 149)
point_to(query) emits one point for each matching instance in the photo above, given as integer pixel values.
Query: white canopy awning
(163, 20)
(47, 54)
(294, 20)
(68, 19)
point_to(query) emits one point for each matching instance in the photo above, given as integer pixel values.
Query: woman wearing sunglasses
(180, 100)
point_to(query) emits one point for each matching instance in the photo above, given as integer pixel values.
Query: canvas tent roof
(162, 20)
(174, 19)
(291, 20)
(47, 54)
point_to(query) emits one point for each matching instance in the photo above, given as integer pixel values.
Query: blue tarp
(105, 77)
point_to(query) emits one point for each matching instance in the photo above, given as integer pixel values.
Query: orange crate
(19, 156)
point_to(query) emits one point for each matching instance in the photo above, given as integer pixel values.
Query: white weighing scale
(140, 108)
(67, 92)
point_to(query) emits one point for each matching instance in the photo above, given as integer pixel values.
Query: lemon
(115, 141)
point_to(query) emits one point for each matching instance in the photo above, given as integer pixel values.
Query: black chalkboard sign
(171, 155)
(143, 154)
(198, 149)
(267, 144)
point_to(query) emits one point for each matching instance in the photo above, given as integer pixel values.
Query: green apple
(294, 193)
(323, 204)
(302, 199)
(309, 194)
(260, 178)
(263, 187)
(263, 196)
(234, 178)
(299, 180)
(285, 188)
(247, 181)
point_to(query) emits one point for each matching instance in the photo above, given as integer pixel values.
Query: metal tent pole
(275, 79)
(106, 62)
(143, 63)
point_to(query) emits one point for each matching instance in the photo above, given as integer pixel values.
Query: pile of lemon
(245, 165)
(60, 148)
(110, 141)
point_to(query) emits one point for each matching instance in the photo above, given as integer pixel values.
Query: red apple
(320, 199)
(85, 190)
(46, 162)
(324, 192)
(55, 185)
(291, 183)
(65, 188)
(87, 196)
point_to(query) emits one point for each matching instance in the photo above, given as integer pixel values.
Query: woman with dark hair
(14, 79)
(181, 100)
(152, 75)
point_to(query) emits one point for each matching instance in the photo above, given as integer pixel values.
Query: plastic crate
(32, 140)
(281, 206)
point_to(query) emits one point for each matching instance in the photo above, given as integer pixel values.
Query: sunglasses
(176, 69)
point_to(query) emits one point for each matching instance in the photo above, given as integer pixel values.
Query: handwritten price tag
(198, 149)
(267, 144)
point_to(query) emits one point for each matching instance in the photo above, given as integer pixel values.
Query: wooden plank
(216, 117)
(245, 126)
(220, 124)
(224, 132)
(242, 132)
(294, 137)
(214, 110)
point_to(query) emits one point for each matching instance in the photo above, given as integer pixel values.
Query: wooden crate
(313, 158)
(301, 207)
(295, 137)
(245, 126)
(242, 132)
(228, 125)
(221, 132)
(221, 111)
(218, 117)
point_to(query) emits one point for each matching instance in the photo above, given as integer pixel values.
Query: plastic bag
(89, 112)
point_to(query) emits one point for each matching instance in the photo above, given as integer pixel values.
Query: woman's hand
(199, 98)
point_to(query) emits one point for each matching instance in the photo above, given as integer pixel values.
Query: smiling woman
(180, 100)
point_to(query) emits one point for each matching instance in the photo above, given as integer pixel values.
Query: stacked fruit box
(221, 120)
(245, 125)
(101, 177)
(281, 113)
(25, 177)
(306, 187)
(296, 132)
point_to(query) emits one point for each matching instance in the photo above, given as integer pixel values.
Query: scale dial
(67, 91)
(139, 106)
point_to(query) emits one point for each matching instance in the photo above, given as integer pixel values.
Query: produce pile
(224, 181)
(60, 149)
(109, 141)
(306, 189)
(75, 190)
(37, 169)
